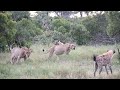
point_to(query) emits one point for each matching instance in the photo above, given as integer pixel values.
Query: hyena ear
(113, 51)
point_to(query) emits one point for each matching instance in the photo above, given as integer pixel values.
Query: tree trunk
(81, 14)
(57, 14)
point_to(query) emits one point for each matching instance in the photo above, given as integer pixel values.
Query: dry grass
(77, 65)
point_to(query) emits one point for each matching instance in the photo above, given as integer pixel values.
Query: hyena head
(113, 51)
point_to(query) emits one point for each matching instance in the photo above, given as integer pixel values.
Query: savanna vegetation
(93, 34)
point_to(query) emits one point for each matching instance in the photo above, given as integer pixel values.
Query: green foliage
(61, 23)
(113, 18)
(21, 30)
(18, 26)
(7, 28)
(96, 24)
(58, 36)
(36, 22)
(80, 34)
(51, 36)
(26, 30)
(62, 30)
(90, 24)
(101, 22)
(44, 20)
(2, 43)
(43, 39)
(5, 22)
(18, 15)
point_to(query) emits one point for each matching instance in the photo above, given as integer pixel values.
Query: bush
(58, 36)
(43, 39)
(61, 25)
(62, 30)
(52, 36)
(26, 31)
(80, 34)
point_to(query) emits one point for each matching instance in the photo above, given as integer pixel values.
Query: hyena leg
(106, 69)
(110, 68)
(96, 67)
(25, 58)
(100, 69)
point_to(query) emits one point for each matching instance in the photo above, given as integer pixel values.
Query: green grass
(77, 65)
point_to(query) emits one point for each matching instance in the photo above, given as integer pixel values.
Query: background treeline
(98, 27)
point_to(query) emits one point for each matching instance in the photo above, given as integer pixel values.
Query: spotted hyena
(103, 60)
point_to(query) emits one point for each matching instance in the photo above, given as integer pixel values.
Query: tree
(81, 13)
(61, 23)
(63, 14)
(26, 30)
(18, 15)
(113, 29)
(44, 20)
(80, 34)
(7, 27)
(90, 24)
(62, 30)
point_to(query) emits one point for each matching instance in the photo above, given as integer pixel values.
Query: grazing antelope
(103, 60)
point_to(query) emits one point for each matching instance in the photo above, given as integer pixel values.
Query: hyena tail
(94, 57)
(45, 51)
